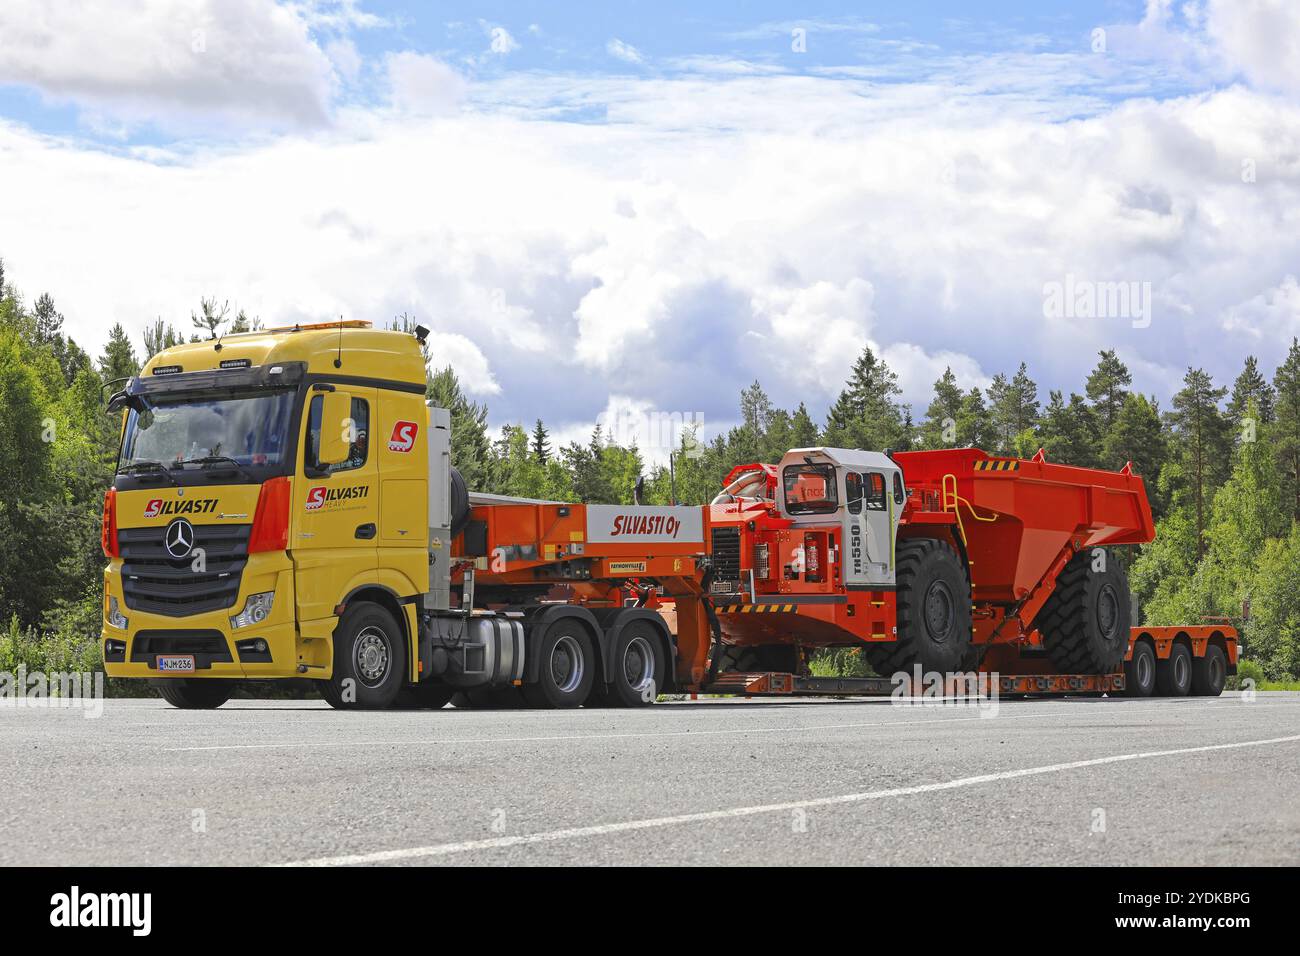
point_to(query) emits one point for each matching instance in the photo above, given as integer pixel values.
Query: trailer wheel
(1209, 673)
(1085, 622)
(934, 611)
(638, 663)
(195, 694)
(369, 660)
(566, 667)
(1140, 671)
(1174, 673)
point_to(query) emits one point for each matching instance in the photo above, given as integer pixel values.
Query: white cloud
(1273, 316)
(170, 61)
(624, 51)
(1261, 38)
(422, 85)
(471, 365)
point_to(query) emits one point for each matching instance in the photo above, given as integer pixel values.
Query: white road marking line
(313, 744)
(573, 833)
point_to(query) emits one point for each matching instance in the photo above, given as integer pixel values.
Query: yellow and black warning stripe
(998, 464)
(755, 608)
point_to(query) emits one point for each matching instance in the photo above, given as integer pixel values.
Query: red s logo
(153, 507)
(316, 498)
(403, 439)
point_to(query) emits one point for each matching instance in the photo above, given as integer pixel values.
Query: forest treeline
(1221, 465)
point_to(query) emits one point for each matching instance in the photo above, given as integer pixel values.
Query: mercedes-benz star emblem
(179, 538)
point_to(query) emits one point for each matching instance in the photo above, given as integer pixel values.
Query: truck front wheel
(565, 667)
(369, 660)
(934, 611)
(195, 694)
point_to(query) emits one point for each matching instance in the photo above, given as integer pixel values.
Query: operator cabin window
(360, 432)
(810, 489)
(853, 492)
(874, 495)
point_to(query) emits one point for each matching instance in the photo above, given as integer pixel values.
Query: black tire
(195, 693)
(638, 665)
(566, 667)
(1085, 622)
(934, 611)
(1210, 673)
(427, 695)
(1174, 673)
(369, 660)
(488, 698)
(1140, 671)
(460, 510)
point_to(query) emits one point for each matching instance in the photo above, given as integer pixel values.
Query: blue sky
(655, 204)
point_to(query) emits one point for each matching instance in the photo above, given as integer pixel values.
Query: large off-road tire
(934, 611)
(1085, 622)
(1174, 673)
(1140, 671)
(1209, 673)
(460, 509)
(195, 693)
(369, 660)
(566, 667)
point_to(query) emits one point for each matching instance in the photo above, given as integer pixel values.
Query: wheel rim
(1108, 612)
(639, 664)
(939, 611)
(370, 656)
(1144, 670)
(567, 664)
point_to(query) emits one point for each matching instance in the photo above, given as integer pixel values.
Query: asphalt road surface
(1076, 781)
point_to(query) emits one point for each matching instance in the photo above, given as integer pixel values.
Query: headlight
(256, 610)
(115, 616)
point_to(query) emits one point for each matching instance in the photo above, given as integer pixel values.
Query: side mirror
(336, 429)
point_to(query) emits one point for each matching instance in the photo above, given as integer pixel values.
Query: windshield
(251, 429)
(810, 489)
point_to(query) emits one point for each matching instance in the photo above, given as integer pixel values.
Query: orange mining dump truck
(943, 560)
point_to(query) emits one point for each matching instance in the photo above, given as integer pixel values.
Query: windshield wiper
(141, 468)
(206, 460)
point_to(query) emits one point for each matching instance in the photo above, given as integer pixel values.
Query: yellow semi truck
(285, 507)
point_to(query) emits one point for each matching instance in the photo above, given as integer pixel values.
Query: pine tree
(866, 415)
(1013, 409)
(1138, 437)
(158, 337)
(1107, 389)
(974, 426)
(1286, 432)
(470, 448)
(1068, 431)
(1203, 442)
(1251, 386)
(209, 318)
(939, 430)
(803, 430)
(49, 323)
(541, 444)
(118, 360)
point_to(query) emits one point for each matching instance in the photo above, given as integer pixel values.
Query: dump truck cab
(259, 490)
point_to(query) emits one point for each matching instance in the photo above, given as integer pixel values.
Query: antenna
(338, 361)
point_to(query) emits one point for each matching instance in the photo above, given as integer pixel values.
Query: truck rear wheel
(1140, 671)
(369, 660)
(1085, 622)
(934, 611)
(638, 664)
(195, 693)
(1209, 673)
(1174, 673)
(565, 667)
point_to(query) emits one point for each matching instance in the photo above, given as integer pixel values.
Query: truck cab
(265, 482)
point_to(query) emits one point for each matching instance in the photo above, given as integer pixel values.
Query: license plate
(177, 664)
